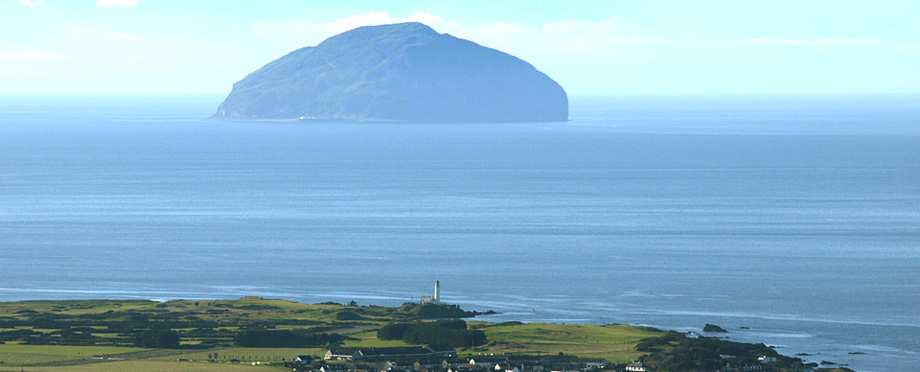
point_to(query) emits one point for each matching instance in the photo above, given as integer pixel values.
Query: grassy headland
(220, 335)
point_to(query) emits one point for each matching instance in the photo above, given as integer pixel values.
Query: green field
(13, 353)
(616, 343)
(16, 357)
(147, 366)
(223, 318)
(369, 339)
(245, 354)
(102, 335)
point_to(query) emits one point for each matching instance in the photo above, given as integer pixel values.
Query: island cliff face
(400, 72)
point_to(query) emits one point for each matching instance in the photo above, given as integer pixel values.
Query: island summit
(404, 72)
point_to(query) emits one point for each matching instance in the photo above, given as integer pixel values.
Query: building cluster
(353, 354)
(442, 358)
(732, 365)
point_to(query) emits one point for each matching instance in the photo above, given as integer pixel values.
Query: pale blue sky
(610, 46)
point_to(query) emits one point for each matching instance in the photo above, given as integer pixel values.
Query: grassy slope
(369, 339)
(14, 353)
(264, 355)
(146, 366)
(615, 342)
(280, 309)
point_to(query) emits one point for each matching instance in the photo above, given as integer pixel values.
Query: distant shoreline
(18, 319)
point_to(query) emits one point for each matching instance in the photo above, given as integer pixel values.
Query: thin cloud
(32, 3)
(817, 42)
(30, 55)
(116, 3)
(543, 43)
(313, 32)
(101, 35)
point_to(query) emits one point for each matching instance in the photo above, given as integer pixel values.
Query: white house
(636, 367)
(303, 359)
(595, 363)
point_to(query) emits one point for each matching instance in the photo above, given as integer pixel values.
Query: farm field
(616, 343)
(257, 334)
(147, 366)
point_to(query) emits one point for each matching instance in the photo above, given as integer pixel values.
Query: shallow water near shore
(796, 217)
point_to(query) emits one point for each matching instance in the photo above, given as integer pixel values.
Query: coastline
(788, 338)
(479, 319)
(792, 192)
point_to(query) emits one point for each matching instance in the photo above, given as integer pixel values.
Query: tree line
(452, 332)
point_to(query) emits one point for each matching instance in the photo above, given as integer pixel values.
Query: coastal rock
(713, 328)
(400, 72)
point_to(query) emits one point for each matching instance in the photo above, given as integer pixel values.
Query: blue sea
(795, 217)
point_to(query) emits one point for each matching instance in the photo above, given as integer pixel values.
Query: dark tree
(452, 332)
(159, 336)
(394, 331)
(285, 338)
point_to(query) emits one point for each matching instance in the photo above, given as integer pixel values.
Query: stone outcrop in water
(400, 72)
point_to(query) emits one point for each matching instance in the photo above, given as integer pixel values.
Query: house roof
(488, 358)
(348, 352)
(393, 351)
(591, 360)
(441, 348)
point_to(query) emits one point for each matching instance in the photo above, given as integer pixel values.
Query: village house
(341, 354)
(729, 367)
(333, 368)
(592, 363)
(393, 352)
(442, 350)
(485, 361)
(443, 358)
(303, 359)
(635, 367)
(439, 350)
(363, 368)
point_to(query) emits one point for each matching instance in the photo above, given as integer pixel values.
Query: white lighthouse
(437, 291)
(437, 295)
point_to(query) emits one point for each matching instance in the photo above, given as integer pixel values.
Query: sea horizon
(665, 211)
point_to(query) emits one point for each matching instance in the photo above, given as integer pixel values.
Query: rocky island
(403, 72)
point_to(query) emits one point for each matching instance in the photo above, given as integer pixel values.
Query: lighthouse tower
(437, 295)
(437, 291)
